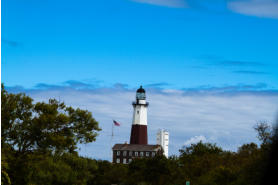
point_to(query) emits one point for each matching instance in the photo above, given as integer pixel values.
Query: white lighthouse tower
(139, 133)
(162, 138)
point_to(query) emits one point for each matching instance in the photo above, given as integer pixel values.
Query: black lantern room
(141, 93)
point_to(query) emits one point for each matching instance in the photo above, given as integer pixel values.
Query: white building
(162, 138)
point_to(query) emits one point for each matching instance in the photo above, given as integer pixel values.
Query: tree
(52, 126)
(198, 159)
(61, 170)
(153, 171)
(265, 132)
(248, 149)
(108, 173)
(5, 179)
(39, 141)
(201, 149)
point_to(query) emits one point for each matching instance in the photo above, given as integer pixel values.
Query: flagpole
(112, 135)
(112, 130)
(111, 154)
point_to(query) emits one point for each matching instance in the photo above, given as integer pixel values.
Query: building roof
(136, 147)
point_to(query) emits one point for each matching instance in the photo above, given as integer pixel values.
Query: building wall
(162, 138)
(126, 156)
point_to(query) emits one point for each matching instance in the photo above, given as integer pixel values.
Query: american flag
(116, 123)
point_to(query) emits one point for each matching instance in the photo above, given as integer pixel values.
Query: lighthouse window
(138, 112)
(141, 154)
(118, 153)
(124, 153)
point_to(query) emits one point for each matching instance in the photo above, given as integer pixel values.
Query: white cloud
(259, 8)
(194, 140)
(226, 119)
(168, 3)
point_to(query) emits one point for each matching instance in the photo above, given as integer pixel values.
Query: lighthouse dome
(141, 93)
(140, 90)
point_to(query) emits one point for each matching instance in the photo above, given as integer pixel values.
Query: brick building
(125, 153)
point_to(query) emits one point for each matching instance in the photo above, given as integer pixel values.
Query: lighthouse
(139, 147)
(139, 133)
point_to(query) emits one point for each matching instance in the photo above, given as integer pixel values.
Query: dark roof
(134, 147)
(141, 90)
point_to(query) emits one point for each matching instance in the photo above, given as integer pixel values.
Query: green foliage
(5, 179)
(201, 149)
(157, 170)
(218, 176)
(44, 126)
(65, 169)
(108, 173)
(39, 141)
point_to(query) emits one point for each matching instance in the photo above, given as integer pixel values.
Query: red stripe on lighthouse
(139, 135)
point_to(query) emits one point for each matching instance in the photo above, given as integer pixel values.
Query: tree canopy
(52, 126)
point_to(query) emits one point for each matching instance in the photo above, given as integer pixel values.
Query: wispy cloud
(234, 66)
(167, 3)
(78, 84)
(250, 72)
(215, 60)
(70, 84)
(158, 85)
(10, 43)
(238, 63)
(223, 115)
(260, 88)
(259, 8)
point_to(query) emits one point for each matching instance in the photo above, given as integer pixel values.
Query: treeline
(39, 142)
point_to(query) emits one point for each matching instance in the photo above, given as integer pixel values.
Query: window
(124, 153)
(129, 160)
(118, 160)
(153, 154)
(130, 153)
(124, 160)
(147, 154)
(118, 153)
(138, 112)
(141, 154)
(136, 154)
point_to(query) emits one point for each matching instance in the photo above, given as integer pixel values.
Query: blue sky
(192, 50)
(134, 42)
